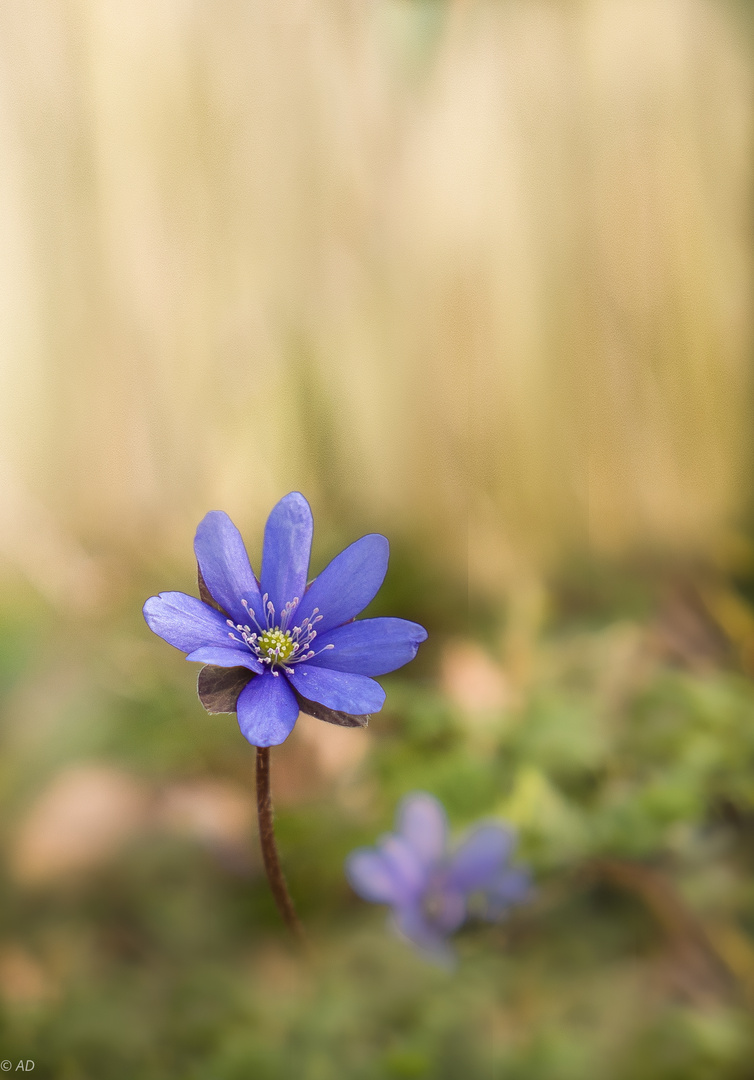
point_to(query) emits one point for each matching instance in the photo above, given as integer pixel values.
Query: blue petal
(411, 923)
(287, 545)
(225, 567)
(347, 584)
(373, 877)
(407, 870)
(185, 622)
(226, 658)
(511, 887)
(369, 647)
(480, 858)
(422, 823)
(349, 693)
(267, 710)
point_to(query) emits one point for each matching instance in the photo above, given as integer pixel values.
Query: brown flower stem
(269, 847)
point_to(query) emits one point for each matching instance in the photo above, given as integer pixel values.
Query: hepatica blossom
(275, 645)
(430, 887)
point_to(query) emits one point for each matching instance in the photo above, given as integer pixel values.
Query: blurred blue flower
(431, 889)
(291, 645)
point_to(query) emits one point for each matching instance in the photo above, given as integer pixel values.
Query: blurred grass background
(473, 274)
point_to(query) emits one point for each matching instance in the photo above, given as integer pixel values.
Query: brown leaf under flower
(330, 716)
(218, 687)
(204, 592)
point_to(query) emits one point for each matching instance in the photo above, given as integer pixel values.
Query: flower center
(432, 906)
(274, 644)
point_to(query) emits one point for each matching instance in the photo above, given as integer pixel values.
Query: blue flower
(277, 645)
(430, 889)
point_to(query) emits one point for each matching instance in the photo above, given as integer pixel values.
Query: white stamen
(276, 645)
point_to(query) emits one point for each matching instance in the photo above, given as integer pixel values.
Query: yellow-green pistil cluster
(275, 644)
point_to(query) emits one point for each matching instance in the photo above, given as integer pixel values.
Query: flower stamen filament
(276, 645)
